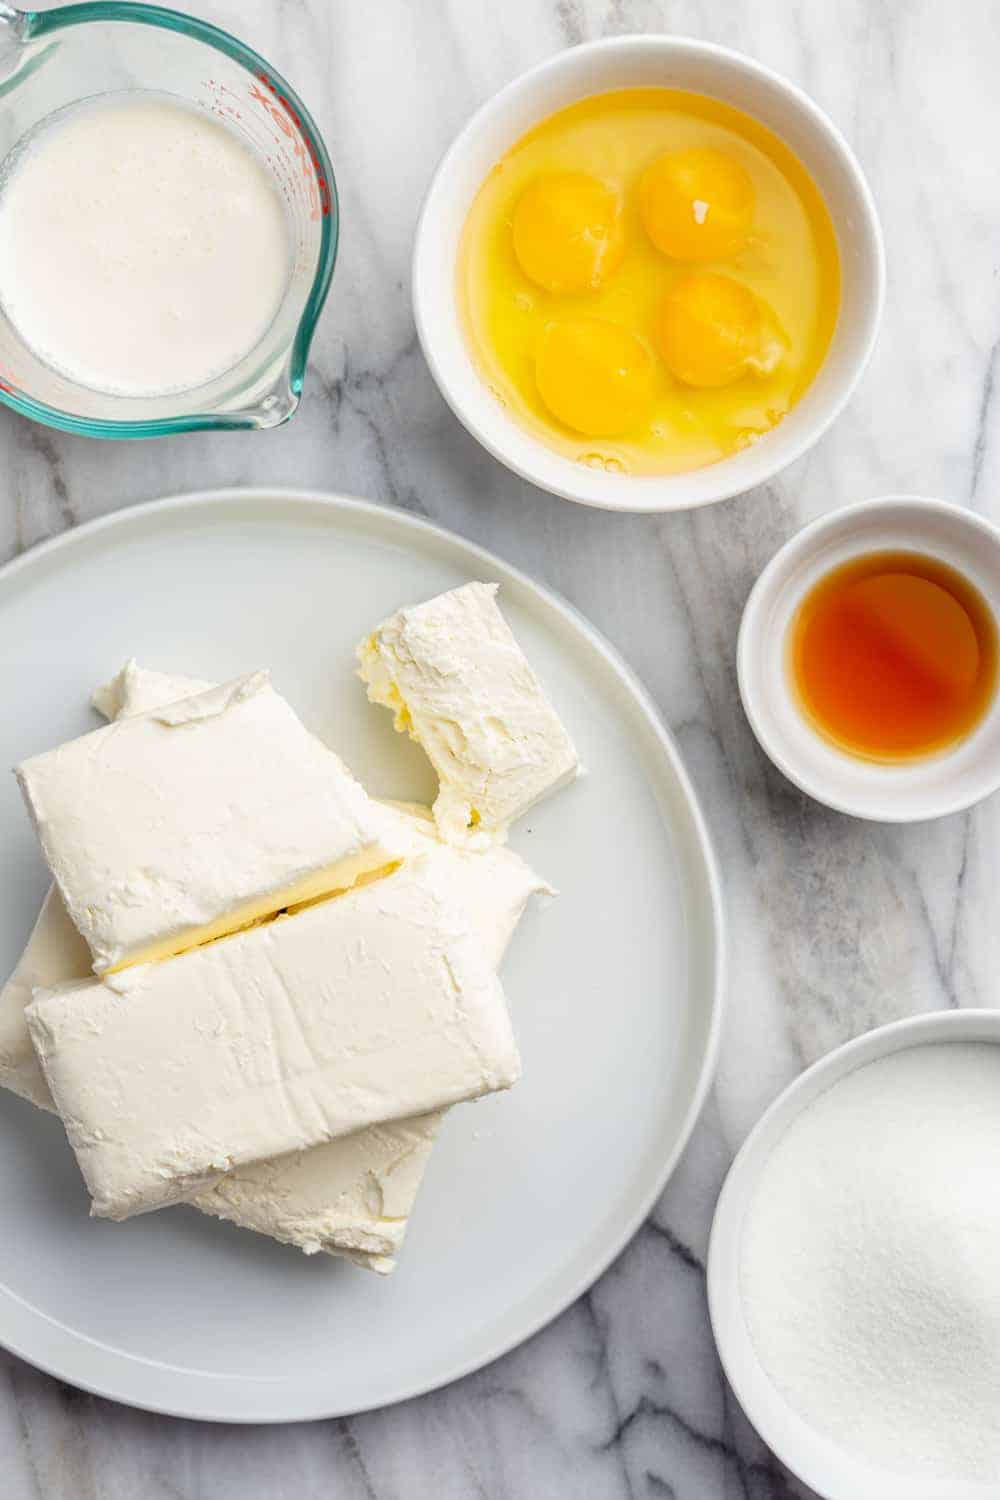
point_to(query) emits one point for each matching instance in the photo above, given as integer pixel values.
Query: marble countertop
(835, 925)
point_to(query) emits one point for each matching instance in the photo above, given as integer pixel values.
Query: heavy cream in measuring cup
(143, 245)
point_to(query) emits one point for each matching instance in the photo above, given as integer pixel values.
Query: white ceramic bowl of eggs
(932, 1344)
(640, 62)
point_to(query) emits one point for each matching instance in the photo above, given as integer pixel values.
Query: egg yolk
(595, 377)
(696, 204)
(711, 330)
(567, 232)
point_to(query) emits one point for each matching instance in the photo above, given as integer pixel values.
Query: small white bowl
(910, 791)
(637, 62)
(814, 1458)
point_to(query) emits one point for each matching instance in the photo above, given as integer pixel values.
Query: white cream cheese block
(366, 1007)
(455, 678)
(352, 1196)
(178, 825)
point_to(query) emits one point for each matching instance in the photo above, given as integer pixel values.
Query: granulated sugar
(870, 1266)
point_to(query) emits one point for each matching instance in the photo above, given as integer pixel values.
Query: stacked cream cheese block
(251, 987)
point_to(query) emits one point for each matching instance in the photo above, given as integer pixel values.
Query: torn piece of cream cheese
(455, 679)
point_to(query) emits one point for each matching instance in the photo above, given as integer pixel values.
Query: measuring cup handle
(14, 26)
(15, 37)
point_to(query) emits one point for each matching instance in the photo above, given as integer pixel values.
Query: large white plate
(615, 987)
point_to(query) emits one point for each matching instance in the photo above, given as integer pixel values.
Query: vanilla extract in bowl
(893, 656)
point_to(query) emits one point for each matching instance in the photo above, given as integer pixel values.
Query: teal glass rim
(33, 25)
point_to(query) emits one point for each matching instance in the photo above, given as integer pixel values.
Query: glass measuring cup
(54, 58)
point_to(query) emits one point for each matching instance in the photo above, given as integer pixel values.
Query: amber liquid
(894, 656)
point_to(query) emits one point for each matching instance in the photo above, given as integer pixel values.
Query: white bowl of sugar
(854, 1266)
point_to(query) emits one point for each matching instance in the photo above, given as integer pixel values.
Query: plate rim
(60, 1362)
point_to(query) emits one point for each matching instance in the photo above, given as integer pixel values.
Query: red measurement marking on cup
(282, 114)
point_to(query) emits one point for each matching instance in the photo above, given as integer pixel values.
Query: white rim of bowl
(730, 1210)
(801, 541)
(871, 230)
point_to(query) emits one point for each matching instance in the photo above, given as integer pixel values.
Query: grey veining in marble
(835, 925)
